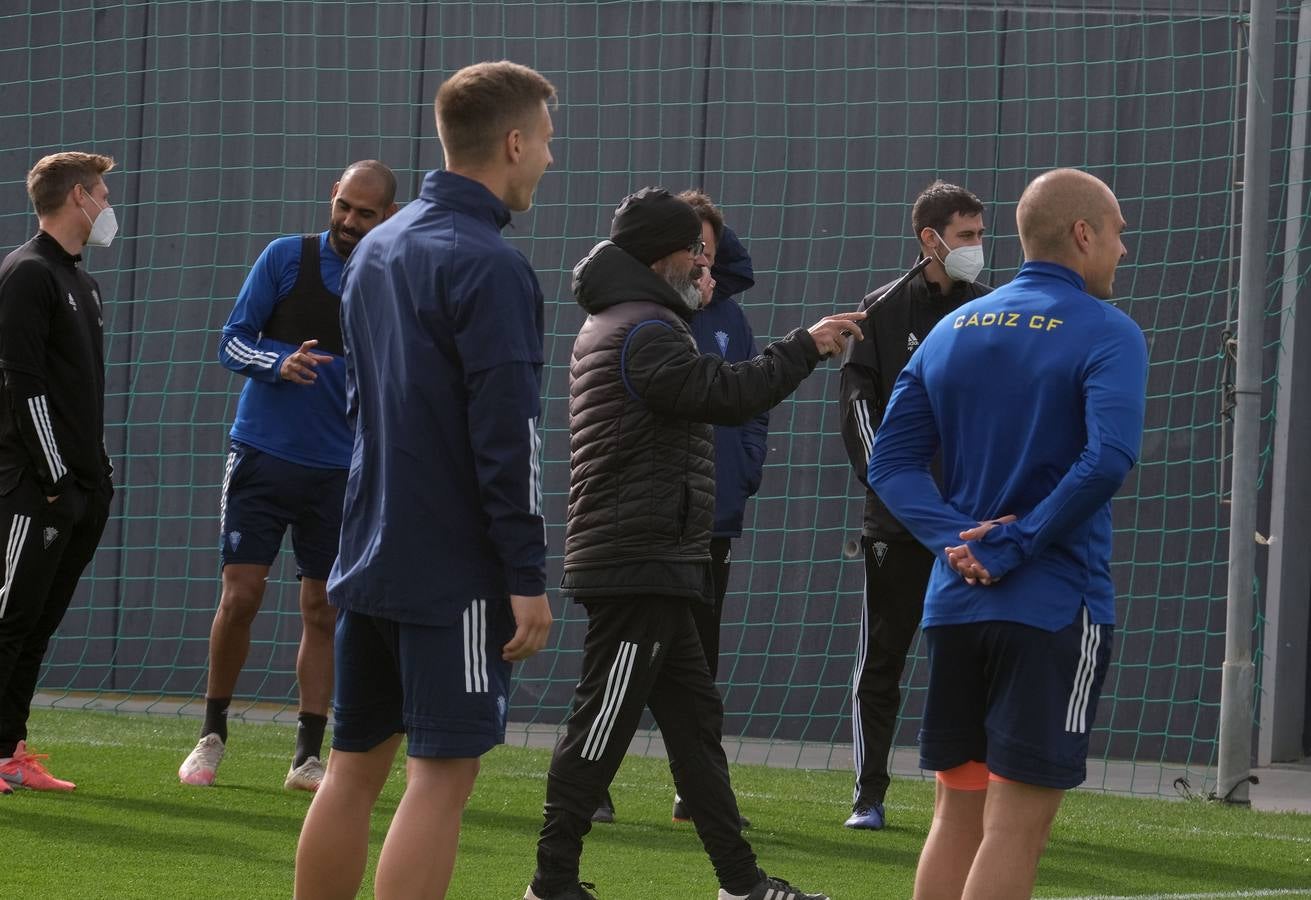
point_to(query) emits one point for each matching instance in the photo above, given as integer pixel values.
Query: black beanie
(653, 223)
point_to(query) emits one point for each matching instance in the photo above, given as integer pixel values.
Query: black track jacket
(893, 330)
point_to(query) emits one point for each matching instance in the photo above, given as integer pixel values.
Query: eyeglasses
(697, 247)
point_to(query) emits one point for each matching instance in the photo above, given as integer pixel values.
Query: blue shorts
(1020, 699)
(446, 687)
(263, 495)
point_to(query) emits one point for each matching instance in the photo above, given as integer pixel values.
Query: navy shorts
(446, 687)
(263, 495)
(1020, 699)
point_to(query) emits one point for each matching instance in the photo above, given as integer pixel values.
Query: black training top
(52, 399)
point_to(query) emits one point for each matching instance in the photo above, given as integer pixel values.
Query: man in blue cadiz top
(1034, 394)
(286, 467)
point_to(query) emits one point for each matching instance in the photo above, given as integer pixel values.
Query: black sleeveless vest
(309, 311)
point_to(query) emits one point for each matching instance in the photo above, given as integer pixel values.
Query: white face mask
(103, 227)
(964, 263)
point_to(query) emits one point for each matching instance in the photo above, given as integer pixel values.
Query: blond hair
(478, 105)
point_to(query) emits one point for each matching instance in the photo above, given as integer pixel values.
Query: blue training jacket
(1035, 394)
(443, 325)
(302, 423)
(721, 328)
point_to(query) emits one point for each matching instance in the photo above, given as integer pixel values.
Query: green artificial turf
(131, 831)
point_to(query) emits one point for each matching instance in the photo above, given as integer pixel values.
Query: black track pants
(642, 652)
(46, 547)
(896, 574)
(709, 615)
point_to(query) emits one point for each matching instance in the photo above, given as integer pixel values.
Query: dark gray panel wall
(814, 124)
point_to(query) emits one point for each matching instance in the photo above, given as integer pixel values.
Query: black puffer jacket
(642, 400)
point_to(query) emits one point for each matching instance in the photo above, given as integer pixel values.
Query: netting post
(1288, 578)
(1239, 674)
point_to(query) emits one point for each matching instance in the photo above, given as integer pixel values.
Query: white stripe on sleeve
(864, 427)
(535, 469)
(45, 433)
(247, 355)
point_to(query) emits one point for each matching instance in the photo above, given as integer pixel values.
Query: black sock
(216, 717)
(309, 737)
(7, 749)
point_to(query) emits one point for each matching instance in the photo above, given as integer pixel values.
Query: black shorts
(1016, 697)
(263, 495)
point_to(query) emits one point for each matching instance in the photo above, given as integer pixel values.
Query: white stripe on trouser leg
(1076, 708)
(475, 653)
(1090, 675)
(223, 495)
(857, 731)
(1072, 702)
(481, 649)
(468, 669)
(616, 685)
(17, 536)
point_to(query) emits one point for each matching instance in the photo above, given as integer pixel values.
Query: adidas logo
(911, 342)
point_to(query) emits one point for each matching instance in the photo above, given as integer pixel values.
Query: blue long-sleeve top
(1035, 394)
(302, 423)
(721, 328)
(443, 323)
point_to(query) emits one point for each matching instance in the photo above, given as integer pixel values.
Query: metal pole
(1239, 675)
(1283, 661)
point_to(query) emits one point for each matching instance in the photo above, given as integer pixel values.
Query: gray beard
(690, 295)
(684, 286)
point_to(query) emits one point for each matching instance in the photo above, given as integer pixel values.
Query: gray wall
(814, 124)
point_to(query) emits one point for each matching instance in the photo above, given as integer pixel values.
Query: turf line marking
(137, 745)
(1221, 895)
(1212, 833)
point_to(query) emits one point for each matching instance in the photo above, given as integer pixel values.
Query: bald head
(379, 176)
(1050, 206)
(1069, 217)
(361, 200)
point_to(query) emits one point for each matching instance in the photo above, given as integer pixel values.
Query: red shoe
(25, 770)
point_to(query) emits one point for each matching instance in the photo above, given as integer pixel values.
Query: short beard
(338, 237)
(683, 283)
